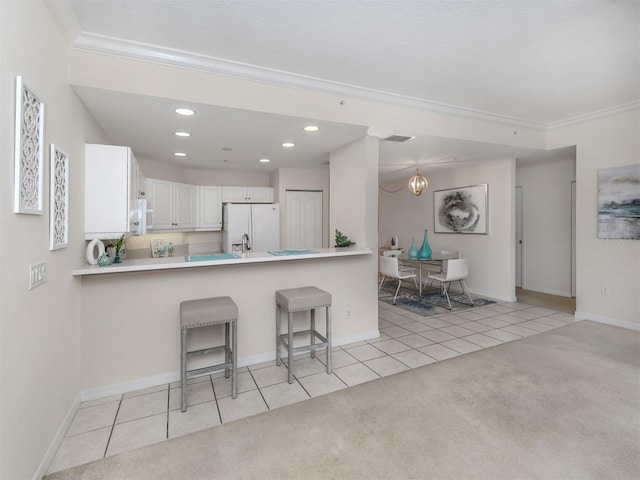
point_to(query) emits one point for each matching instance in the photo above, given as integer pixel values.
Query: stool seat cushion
(302, 298)
(207, 311)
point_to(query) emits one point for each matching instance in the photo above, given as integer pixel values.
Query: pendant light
(417, 184)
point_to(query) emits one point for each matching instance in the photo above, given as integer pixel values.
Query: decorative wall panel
(29, 141)
(59, 206)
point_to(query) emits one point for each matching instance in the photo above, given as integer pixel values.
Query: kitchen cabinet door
(159, 196)
(184, 205)
(247, 195)
(209, 208)
(234, 195)
(173, 204)
(260, 194)
(111, 192)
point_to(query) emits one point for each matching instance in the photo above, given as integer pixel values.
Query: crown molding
(65, 19)
(145, 52)
(101, 44)
(594, 115)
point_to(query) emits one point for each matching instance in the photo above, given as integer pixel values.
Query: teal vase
(413, 251)
(425, 251)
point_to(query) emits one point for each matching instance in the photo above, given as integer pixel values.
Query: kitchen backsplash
(184, 243)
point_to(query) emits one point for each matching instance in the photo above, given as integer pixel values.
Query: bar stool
(203, 313)
(298, 300)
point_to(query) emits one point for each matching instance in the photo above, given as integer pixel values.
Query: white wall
(39, 328)
(354, 192)
(242, 178)
(491, 256)
(603, 142)
(546, 193)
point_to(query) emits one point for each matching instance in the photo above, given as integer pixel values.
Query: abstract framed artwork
(619, 202)
(29, 151)
(59, 203)
(461, 210)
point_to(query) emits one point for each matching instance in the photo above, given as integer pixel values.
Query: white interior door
(519, 235)
(304, 219)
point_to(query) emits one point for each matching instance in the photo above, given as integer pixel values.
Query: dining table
(436, 261)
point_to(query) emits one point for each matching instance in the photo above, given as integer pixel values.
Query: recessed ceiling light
(288, 145)
(183, 134)
(264, 160)
(180, 154)
(311, 128)
(185, 111)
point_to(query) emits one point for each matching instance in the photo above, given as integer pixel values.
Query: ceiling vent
(398, 138)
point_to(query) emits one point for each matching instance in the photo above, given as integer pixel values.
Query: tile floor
(118, 423)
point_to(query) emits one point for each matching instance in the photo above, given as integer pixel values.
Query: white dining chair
(441, 266)
(457, 271)
(389, 268)
(401, 267)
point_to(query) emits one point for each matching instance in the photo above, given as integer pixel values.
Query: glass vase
(413, 251)
(425, 251)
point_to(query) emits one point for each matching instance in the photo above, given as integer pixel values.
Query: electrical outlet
(604, 291)
(37, 274)
(348, 313)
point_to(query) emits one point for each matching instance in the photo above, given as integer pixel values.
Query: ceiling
(539, 62)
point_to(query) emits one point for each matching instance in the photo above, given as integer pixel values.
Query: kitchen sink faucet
(245, 243)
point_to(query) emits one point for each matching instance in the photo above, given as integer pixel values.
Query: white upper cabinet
(111, 191)
(209, 208)
(173, 204)
(247, 195)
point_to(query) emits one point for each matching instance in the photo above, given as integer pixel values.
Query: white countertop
(165, 263)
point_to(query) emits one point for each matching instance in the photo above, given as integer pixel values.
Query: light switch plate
(37, 274)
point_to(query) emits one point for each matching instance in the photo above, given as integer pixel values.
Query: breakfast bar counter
(165, 263)
(130, 311)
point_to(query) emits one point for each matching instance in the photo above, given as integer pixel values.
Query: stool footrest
(205, 351)
(305, 348)
(283, 336)
(198, 372)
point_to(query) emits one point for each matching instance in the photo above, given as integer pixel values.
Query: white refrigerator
(260, 221)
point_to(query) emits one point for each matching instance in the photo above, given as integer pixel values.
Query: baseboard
(124, 387)
(607, 321)
(57, 439)
(155, 380)
(490, 295)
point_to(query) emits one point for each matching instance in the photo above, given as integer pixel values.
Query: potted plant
(342, 240)
(117, 245)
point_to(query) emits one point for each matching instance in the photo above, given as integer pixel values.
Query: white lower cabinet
(209, 208)
(173, 204)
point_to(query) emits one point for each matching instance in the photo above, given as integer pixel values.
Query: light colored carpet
(564, 404)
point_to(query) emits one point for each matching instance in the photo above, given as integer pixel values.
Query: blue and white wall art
(619, 202)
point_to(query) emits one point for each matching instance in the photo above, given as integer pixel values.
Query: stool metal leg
(290, 347)
(227, 345)
(234, 359)
(329, 339)
(278, 335)
(183, 370)
(313, 329)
